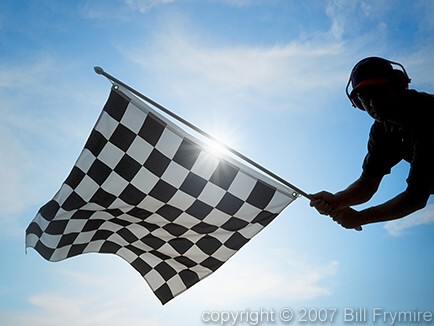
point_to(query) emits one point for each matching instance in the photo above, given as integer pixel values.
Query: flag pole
(297, 191)
(100, 71)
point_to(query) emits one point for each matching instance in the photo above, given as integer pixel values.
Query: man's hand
(347, 217)
(327, 204)
(323, 202)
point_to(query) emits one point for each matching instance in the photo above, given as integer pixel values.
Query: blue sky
(265, 76)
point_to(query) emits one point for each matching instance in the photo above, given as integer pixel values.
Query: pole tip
(98, 70)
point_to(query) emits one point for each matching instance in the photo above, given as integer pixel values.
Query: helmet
(375, 71)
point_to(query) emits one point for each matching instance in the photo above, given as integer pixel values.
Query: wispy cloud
(88, 298)
(41, 108)
(62, 309)
(416, 65)
(18, 85)
(399, 227)
(257, 278)
(277, 76)
(238, 3)
(360, 24)
(337, 11)
(98, 297)
(144, 6)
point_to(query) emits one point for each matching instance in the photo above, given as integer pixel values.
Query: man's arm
(360, 191)
(402, 205)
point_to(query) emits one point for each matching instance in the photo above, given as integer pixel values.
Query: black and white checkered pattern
(147, 191)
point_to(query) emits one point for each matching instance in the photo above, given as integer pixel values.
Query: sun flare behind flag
(148, 191)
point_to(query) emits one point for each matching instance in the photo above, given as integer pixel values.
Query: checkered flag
(147, 191)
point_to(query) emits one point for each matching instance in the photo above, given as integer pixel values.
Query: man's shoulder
(419, 108)
(415, 97)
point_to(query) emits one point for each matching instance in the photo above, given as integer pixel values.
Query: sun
(223, 140)
(216, 148)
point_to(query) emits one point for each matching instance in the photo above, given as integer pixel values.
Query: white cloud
(303, 74)
(105, 292)
(337, 11)
(91, 291)
(278, 76)
(189, 60)
(25, 76)
(261, 277)
(358, 21)
(417, 65)
(68, 310)
(144, 6)
(238, 3)
(44, 119)
(18, 85)
(422, 217)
